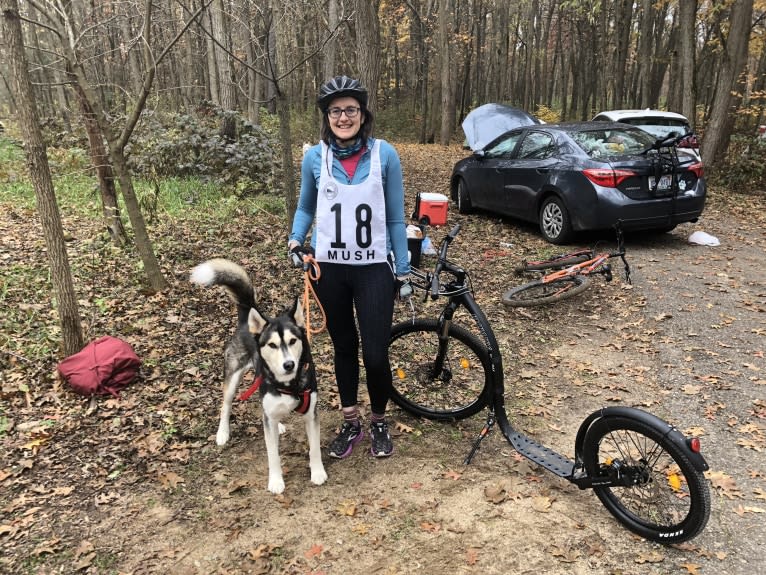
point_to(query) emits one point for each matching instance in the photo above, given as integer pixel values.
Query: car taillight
(698, 169)
(606, 177)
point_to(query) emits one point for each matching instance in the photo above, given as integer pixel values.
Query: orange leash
(311, 272)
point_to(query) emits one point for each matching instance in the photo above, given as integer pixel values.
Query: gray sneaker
(382, 445)
(343, 444)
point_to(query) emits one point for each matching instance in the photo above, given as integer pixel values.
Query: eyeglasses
(350, 112)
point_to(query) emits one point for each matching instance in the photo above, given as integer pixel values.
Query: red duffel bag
(102, 367)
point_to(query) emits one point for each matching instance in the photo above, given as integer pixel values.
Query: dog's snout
(289, 365)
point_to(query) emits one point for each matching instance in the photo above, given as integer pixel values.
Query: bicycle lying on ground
(570, 276)
(644, 471)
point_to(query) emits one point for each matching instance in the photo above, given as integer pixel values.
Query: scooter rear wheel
(669, 501)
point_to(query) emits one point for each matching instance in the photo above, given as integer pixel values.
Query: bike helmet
(338, 87)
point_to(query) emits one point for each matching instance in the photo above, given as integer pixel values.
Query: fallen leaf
(495, 493)
(431, 527)
(399, 426)
(692, 568)
(741, 510)
(650, 557)
(315, 551)
(84, 562)
(83, 548)
(542, 504)
(725, 484)
(347, 508)
(471, 556)
(237, 485)
(454, 475)
(170, 480)
(566, 555)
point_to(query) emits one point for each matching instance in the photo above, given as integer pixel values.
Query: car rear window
(599, 144)
(659, 127)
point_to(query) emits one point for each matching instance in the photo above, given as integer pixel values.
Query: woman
(353, 193)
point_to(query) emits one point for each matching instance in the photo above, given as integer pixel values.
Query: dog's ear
(296, 312)
(256, 322)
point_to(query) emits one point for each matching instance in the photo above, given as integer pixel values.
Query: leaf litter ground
(136, 484)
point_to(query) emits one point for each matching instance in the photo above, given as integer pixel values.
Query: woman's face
(343, 127)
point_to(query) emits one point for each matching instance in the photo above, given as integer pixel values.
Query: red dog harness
(304, 397)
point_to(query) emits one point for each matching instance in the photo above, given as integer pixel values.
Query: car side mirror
(479, 154)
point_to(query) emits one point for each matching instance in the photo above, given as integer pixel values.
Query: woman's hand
(403, 288)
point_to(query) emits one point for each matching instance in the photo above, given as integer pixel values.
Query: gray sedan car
(581, 176)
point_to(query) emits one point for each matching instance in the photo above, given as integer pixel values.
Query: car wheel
(463, 199)
(554, 221)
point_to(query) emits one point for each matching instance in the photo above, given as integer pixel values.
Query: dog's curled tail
(230, 276)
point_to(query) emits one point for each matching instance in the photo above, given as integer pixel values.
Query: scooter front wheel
(667, 500)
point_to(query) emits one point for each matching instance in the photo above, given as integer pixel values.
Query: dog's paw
(318, 476)
(281, 427)
(276, 485)
(222, 437)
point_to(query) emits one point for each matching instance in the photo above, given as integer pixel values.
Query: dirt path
(138, 486)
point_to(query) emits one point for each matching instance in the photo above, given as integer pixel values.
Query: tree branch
(272, 78)
(146, 87)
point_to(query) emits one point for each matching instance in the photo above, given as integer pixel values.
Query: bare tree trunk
(104, 173)
(418, 35)
(645, 51)
(733, 62)
(286, 139)
(623, 19)
(445, 48)
(39, 171)
(212, 68)
(131, 55)
(225, 87)
(687, 30)
(272, 90)
(328, 57)
(253, 106)
(368, 47)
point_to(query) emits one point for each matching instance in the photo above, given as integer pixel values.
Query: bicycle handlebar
(442, 259)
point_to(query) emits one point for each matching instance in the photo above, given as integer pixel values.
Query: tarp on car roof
(487, 122)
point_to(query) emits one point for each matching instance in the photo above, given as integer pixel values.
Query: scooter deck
(543, 456)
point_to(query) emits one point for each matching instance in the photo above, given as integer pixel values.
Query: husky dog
(278, 351)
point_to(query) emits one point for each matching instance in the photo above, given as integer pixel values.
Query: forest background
(138, 93)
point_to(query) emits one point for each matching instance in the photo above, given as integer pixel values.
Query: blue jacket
(393, 189)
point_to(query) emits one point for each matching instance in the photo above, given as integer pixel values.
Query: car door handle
(543, 170)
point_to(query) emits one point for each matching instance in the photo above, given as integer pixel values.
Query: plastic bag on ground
(703, 239)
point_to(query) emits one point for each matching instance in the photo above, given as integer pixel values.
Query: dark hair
(365, 130)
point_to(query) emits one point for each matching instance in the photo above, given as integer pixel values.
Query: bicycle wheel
(457, 389)
(554, 263)
(670, 501)
(538, 293)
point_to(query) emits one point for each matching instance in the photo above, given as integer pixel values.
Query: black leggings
(369, 289)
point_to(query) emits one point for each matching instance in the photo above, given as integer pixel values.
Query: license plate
(665, 183)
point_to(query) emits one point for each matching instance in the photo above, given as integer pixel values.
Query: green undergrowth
(185, 218)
